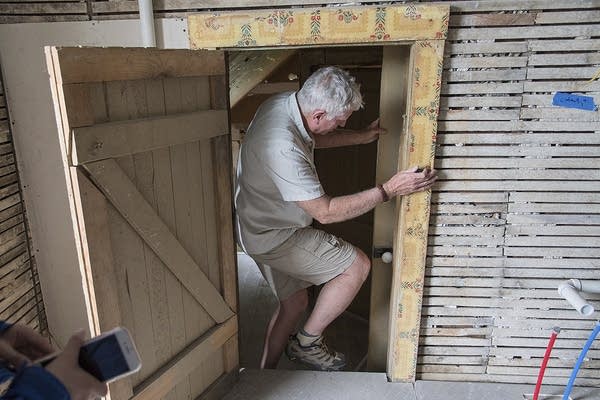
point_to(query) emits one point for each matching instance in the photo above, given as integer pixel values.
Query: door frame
(422, 27)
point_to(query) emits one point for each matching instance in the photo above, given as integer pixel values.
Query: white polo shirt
(275, 169)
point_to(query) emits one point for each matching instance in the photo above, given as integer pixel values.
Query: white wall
(42, 171)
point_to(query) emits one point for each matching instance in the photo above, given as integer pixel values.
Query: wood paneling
(148, 214)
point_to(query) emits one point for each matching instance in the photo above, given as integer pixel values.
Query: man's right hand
(410, 181)
(80, 384)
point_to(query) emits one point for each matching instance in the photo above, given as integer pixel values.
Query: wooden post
(392, 112)
(410, 239)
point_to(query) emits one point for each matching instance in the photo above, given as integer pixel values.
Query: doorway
(342, 171)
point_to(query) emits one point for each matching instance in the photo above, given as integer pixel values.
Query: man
(278, 194)
(61, 379)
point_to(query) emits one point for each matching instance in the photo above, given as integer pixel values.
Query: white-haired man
(278, 194)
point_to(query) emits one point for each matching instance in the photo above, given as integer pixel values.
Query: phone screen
(103, 358)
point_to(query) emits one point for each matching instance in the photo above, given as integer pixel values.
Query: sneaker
(316, 355)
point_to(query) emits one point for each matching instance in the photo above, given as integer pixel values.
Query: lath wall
(20, 295)
(517, 210)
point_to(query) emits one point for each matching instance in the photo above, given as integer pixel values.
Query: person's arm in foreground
(62, 379)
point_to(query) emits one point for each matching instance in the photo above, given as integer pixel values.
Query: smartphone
(109, 356)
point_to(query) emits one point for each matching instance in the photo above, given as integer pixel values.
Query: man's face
(321, 123)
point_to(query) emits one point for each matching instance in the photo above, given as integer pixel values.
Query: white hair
(330, 89)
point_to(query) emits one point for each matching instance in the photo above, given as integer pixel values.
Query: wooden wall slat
(531, 32)
(505, 74)
(43, 8)
(485, 48)
(567, 17)
(563, 45)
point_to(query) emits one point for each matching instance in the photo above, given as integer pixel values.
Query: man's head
(327, 99)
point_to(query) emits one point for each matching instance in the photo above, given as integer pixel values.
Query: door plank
(115, 139)
(135, 209)
(118, 64)
(127, 100)
(223, 184)
(163, 186)
(209, 166)
(157, 290)
(102, 269)
(154, 269)
(184, 95)
(222, 152)
(186, 362)
(192, 314)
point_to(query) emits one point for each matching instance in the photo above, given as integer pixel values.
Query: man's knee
(363, 264)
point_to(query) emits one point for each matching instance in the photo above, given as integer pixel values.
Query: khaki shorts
(309, 257)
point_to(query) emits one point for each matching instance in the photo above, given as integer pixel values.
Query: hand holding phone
(65, 367)
(107, 357)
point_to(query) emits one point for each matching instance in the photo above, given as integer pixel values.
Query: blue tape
(569, 100)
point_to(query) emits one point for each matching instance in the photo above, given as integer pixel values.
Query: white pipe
(147, 23)
(570, 291)
(590, 286)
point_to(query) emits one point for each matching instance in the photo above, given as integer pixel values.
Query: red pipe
(538, 385)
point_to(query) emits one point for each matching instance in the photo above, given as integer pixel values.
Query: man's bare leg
(283, 323)
(337, 294)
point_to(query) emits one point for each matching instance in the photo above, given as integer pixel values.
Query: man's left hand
(371, 133)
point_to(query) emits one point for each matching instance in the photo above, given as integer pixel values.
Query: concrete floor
(312, 385)
(291, 382)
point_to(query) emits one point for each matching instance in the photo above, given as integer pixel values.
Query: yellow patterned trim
(314, 26)
(410, 242)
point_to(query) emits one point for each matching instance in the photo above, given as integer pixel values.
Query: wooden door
(145, 137)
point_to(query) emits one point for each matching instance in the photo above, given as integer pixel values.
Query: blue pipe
(584, 351)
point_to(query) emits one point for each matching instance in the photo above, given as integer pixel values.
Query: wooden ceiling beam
(247, 69)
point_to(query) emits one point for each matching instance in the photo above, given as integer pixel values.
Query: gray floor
(312, 385)
(290, 382)
(309, 385)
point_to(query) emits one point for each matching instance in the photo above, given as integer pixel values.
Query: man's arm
(328, 210)
(349, 137)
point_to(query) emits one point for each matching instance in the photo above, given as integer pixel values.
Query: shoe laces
(320, 342)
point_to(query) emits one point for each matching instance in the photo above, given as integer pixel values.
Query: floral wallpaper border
(327, 25)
